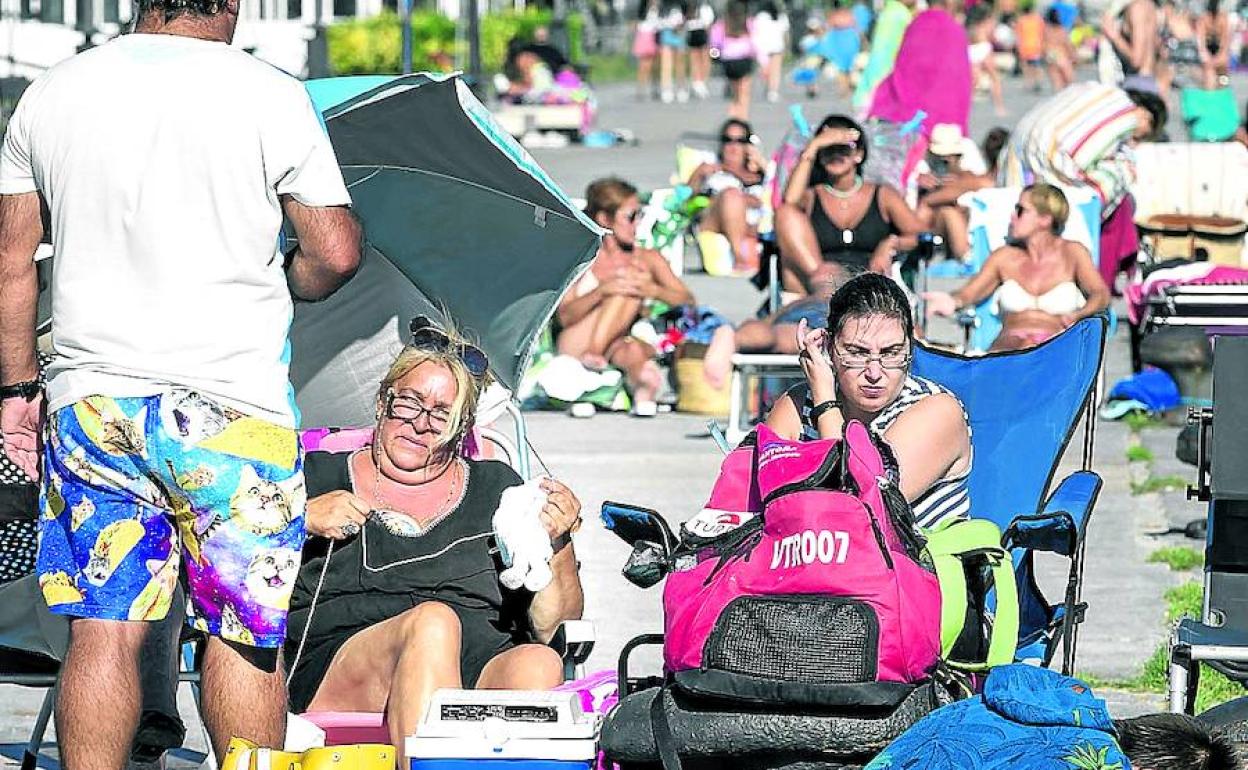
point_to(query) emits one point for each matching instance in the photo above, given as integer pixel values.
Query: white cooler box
(513, 729)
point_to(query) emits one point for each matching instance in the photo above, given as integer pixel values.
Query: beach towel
(886, 40)
(932, 74)
(1186, 274)
(1028, 718)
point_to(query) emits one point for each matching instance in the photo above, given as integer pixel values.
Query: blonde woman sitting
(1044, 283)
(411, 600)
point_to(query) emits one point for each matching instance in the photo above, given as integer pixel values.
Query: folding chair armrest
(1059, 525)
(574, 641)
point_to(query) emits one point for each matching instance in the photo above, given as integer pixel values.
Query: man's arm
(329, 249)
(21, 229)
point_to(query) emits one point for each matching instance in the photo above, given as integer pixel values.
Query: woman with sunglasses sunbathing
(858, 368)
(830, 215)
(408, 600)
(735, 186)
(596, 316)
(1044, 283)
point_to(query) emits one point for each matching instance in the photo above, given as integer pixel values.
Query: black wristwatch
(27, 390)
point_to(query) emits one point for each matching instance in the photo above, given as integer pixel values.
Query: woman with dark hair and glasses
(596, 316)
(735, 186)
(1044, 283)
(858, 368)
(833, 223)
(408, 600)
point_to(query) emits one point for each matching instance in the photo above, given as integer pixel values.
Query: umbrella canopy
(458, 219)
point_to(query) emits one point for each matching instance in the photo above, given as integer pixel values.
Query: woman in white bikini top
(1043, 282)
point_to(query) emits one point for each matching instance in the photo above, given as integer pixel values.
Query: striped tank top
(948, 498)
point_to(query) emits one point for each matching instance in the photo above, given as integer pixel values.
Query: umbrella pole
(474, 45)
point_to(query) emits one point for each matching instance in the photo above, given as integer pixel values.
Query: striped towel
(1078, 137)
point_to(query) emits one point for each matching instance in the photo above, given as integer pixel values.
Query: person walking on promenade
(165, 160)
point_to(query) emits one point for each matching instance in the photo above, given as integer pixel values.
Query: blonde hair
(467, 387)
(1051, 201)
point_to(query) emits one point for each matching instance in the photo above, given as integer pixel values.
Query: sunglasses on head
(427, 336)
(836, 152)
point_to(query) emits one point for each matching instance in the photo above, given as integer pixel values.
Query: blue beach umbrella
(457, 218)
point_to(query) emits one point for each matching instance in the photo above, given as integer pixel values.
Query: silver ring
(350, 529)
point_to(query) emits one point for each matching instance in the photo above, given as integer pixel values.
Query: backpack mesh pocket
(809, 639)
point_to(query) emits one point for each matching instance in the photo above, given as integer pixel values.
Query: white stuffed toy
(522, 540)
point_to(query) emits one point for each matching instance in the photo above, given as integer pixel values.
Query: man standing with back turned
(165, 160)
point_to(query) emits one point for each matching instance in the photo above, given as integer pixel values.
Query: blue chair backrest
(1023, 406)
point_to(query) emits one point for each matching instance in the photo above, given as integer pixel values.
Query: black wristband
(819, 409)
(559, 543)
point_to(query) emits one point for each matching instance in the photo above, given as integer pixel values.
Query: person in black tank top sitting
(410, 597)
(832, 224)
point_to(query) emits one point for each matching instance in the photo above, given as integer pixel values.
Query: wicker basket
(693, 392)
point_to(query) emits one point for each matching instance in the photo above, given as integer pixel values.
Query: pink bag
(820, 600)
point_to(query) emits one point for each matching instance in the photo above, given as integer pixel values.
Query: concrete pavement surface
(669, 463)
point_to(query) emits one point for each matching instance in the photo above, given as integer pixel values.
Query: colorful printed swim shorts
(135, 486)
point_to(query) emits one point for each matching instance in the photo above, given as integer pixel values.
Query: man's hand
(928, 181)
(21, 424)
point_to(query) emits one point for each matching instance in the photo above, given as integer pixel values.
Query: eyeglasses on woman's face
(854, 357)
(727, 139)
(410, 409)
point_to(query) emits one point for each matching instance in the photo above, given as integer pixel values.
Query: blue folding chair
(1024, 408)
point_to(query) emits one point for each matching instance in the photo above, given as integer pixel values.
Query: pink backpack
(819, 601)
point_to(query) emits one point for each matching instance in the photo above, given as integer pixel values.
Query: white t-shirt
(161, 159)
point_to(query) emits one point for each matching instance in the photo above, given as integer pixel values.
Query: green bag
(969, 563)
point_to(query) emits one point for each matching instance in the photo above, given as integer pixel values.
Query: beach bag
(820, 600)
(970, 565)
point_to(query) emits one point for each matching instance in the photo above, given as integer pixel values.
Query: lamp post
(318, 46)
(405, 18)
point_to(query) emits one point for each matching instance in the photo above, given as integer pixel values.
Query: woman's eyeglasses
(892, 359)
(1019, 209)
(409, 410)
(632, 216)
(426, 336)
(833, 152)
(736, 140)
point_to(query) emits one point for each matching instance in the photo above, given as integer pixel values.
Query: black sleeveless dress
(454, 563)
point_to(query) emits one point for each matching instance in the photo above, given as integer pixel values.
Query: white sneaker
(583, 409)
(700, 90)
(667, 97)
(682, 96)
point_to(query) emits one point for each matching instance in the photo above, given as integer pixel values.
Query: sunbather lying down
(412, 597)
(598, 314)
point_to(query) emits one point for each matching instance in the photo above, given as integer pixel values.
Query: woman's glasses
(631, 216)
(834, 152)
(1019, 209)
(410, 410)
(889, 359)
(726, 139)
(427, 336)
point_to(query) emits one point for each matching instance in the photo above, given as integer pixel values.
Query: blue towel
(1152, 387)
(1027, 718)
